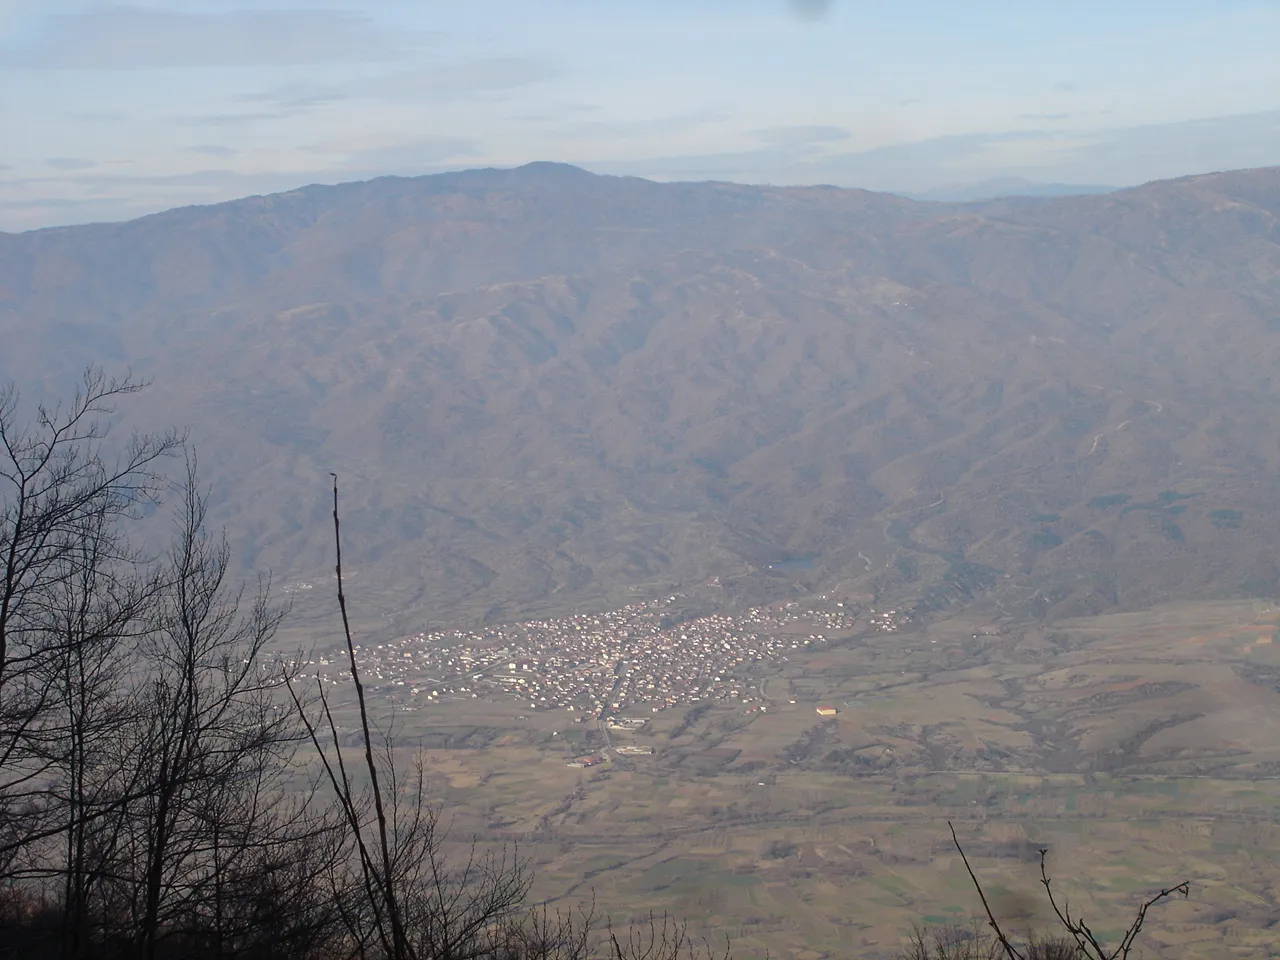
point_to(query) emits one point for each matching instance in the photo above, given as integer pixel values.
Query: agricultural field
(1139, 749)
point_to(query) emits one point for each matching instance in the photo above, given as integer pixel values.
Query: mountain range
(1002, 187)
(543, 388)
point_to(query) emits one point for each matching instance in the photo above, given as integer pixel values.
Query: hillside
(546, 388)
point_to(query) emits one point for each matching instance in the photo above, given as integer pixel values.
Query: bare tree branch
(1010, 951)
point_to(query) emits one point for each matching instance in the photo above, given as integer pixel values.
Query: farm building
(588, 761)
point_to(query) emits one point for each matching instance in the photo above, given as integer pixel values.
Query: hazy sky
(109, 111)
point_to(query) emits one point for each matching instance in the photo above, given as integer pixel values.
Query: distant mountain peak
(554, 168)
(560, 388)
(999, 188)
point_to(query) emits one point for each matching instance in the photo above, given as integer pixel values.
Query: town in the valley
(638, 657)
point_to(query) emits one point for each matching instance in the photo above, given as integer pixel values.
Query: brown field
(1139, 749)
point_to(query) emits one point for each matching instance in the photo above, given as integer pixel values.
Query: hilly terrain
(544, 388)
(1001, 187)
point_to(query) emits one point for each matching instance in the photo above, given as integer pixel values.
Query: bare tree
(662, 939)
(152, 800)
(956, 942)
(62, 495)
(401, 898)
(1083, 941)
(214, 745)
(951, 942)
(145, 755)
(97, 612)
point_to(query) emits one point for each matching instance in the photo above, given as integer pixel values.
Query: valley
(786, 480)
(992, 484)
(1139, 748)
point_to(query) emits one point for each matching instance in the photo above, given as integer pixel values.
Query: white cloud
(69, 163)
(802, 135)
(397, 156)
(1121, 156)
(213, 150)
(452, 80)
(437, 83)
(135, 37)
(647, 127)
(228, 119)
(811, 9)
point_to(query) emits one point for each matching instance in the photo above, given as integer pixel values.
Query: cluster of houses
(599, 663)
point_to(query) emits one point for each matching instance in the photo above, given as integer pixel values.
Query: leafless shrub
(1082, 940)
(1052, 948)
(951, 942)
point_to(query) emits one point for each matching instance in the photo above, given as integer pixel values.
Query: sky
(110, 111)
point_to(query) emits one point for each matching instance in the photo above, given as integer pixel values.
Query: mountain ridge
(997, 188)
(550, 388)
